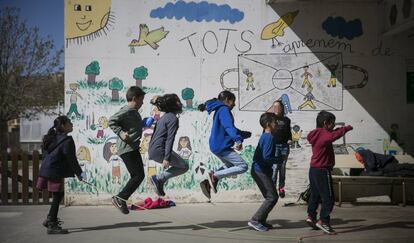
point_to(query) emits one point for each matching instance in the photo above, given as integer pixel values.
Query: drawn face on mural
(113, 149)
(103, 121)
(83, 154)
(183, 142)
(73, 86)
(86, 18)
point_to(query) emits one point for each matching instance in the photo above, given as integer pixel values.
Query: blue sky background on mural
(47, 15)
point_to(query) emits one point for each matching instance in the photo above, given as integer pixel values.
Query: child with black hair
(127, 124)
(321, 165)
(263, 160)
(162, 140)
(224, 139)
(283, 140)
(59, 161)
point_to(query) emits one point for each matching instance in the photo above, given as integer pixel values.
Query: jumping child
(263, 159)
(283, 140)
(59, 162)
(321, 165)
(224, 139)
(162, 141)
(127, 124)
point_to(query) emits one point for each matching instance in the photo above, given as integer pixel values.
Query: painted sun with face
(86, 19)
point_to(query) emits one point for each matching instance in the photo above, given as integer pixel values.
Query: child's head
(278, 108)
(326, 120)
(394, 127)
(169, 103)
(228, 98)
(61, 125)
(184, 142)
(135, 96)
(269, 122)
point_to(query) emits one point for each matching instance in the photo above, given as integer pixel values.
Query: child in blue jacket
(224, 139)
(263, 160)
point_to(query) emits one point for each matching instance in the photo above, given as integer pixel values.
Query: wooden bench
(359, 186)
(372, 186)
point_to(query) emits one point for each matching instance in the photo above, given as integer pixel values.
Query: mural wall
(312, 58)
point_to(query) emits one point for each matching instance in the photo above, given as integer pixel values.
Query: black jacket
(59, 160)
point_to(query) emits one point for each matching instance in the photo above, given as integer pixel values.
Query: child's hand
(124, 135)
(165, 164)
(238, 146)
(289, 142)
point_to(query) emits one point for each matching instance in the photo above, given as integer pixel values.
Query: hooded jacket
(223, 133)
(321, 140)
(59, 160)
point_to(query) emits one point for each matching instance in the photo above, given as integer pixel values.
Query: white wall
(176, 64)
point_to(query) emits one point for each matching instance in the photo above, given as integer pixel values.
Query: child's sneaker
(311, 222)
(257, 226)
(213, 181)
(325, 227)
(267, 225)
(206, 189)
(281, 192)
(55, 228)
(120, 204)
(158, 186)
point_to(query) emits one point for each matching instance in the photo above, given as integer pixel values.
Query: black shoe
(49, 219)
(325, 227)
(281, 192)
(120, 204)
(213, 181)
(158, 186)
(206, 189)
(55, 228)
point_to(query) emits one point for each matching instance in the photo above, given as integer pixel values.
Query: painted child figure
(184, 147)
(263, 160)
(321, 165)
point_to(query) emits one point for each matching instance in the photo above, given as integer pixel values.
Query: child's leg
(274, 174)
(178, 166)
(268, 190)
(282, 173)
(54, 207)
(133, 163)
(234, 162)
(325, 187)
(314, 197)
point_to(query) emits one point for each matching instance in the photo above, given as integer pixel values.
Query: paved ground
(226, 222)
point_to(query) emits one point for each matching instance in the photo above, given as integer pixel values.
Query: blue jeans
(233, 161)
(282, 151)
(177, 167)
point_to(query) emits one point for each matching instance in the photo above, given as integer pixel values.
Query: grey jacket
(127, 120)
(162, 139)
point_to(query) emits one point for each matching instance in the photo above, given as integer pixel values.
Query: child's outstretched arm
(339, 132)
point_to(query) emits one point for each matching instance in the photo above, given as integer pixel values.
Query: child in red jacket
(321, 165)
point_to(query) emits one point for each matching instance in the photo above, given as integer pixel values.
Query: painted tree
(30, 82)
(140, 73)
(115, 85)
(188, 94)
(92, 70)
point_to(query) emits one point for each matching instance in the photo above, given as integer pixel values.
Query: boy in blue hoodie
(263, 160)
(225, 138)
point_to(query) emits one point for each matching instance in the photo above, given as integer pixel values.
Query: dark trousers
(321, 191)
(268, 190)
(54, 207)
(133, 163)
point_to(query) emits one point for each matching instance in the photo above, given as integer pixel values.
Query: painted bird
(275, 29)
(147, 37)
